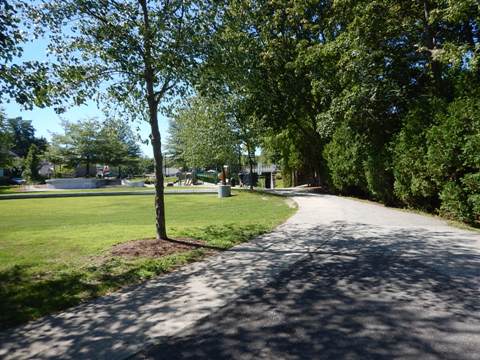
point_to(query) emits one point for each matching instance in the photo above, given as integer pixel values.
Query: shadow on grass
(222, 237)
(26, 294)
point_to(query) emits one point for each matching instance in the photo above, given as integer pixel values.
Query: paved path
(341, 279)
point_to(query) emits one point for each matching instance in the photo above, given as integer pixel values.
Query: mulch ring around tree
(156, 248)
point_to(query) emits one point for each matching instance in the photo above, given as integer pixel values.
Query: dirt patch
(155, 248)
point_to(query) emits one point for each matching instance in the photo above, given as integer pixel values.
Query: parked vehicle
(18, 181)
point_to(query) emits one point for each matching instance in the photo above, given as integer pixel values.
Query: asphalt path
(341, 279)
(379, 284)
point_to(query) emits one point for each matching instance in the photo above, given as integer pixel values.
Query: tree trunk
(435, 66)
(159, 199)
(155, 138)
(251, 158)
(250, 163)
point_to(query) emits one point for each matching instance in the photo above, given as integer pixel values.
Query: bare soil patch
(155, 248)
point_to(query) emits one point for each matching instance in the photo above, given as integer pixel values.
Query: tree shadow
(393, 294)
(25, 294)
(340, 290)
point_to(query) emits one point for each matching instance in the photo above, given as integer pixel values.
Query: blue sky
(46, 121)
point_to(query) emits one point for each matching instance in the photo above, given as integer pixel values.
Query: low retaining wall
(41, 195)
(75, 183)
(133, 183)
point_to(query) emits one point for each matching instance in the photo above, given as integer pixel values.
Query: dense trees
(92, 141)
(376, 98)
(17, 137)
(5, 141)
(23, 136)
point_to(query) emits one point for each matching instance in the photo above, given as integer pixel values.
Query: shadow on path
(371, 293)
(332, 290)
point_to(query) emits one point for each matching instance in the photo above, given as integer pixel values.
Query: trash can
(224, 191)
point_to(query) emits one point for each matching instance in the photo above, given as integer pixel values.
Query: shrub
(32, 164)
(454, 203)
(345, 155)
(413, 184)
(379, 176)
(453, 157)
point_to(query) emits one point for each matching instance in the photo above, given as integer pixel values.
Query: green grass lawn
(10, 189)
(54, 252)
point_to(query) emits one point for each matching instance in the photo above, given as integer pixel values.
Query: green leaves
(92, 141)
(202, 137)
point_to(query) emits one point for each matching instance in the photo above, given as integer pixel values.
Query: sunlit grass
(54, 252)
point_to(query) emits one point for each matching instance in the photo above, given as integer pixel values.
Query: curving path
(341, 279)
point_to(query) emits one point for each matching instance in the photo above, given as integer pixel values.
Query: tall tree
(80, 143)
(138, 52)
(23, 136)
(6, 140)
(203, 136)
(32, 164)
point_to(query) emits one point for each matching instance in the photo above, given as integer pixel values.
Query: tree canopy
(138, 54)
(377, 98)
(92, 141)
(364, 97)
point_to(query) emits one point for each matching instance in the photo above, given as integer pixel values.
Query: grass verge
(55, 253)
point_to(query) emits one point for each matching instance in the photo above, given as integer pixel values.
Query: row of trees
(92, 141)
(84, 143)
(209, 133)
(371, 97)
(17, 138)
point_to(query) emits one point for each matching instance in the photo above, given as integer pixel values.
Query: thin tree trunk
(435, 66)
(250, 163)
(161, 231)
(159, 199)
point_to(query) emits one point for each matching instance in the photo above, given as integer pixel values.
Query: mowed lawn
(55, 252)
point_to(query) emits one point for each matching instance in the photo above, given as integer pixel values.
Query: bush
(453, 158)
(471, 183)
(413, 184)
(379, 176)
(454, 203)
(345, 155)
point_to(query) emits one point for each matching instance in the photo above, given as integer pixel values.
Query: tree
(117, 144)
(55, 155)
(32, 164)
(10, 37)
(23, 135)
(138, 52)
(203, 136)
(6, 141)
(91, 141)
(80, 143)
(25, 82)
